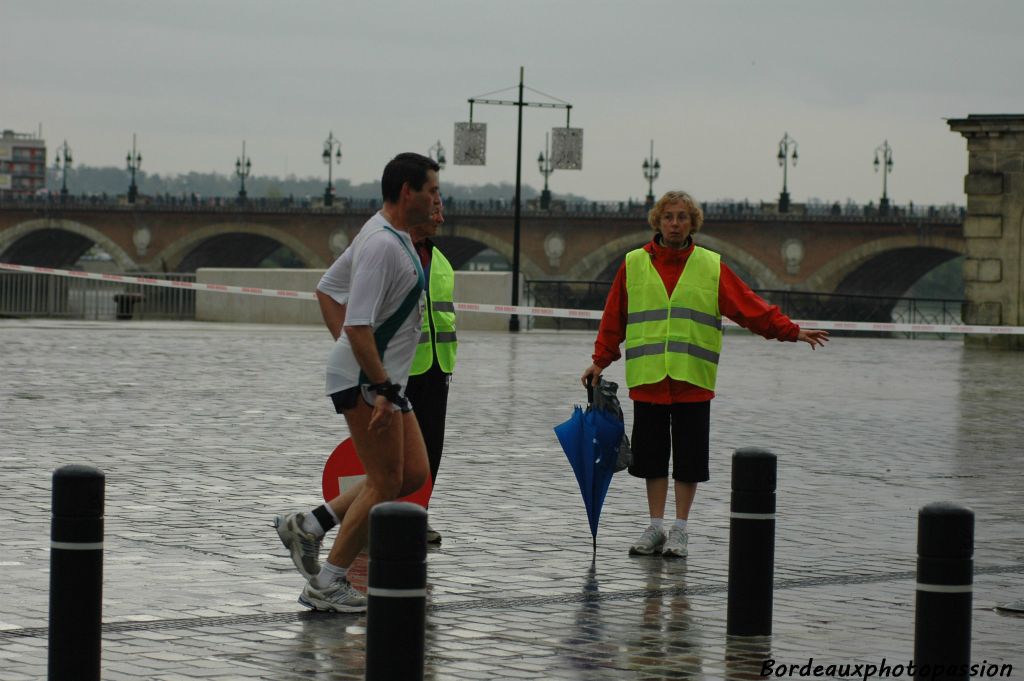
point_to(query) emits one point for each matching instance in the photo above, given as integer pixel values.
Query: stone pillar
(994, 225)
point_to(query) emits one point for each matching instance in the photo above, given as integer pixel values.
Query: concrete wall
(492, 288)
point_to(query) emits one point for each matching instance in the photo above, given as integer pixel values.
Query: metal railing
(591, 295)
(714, 211)
(43, 295)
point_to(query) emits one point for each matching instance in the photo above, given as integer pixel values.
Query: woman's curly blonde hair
(692, 207)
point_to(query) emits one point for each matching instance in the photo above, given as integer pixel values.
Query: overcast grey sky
(715, 84)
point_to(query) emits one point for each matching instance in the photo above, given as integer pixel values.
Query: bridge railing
(42, 295)
(591, 295)
(713, 211)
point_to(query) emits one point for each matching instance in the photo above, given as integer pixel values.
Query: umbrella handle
(590, 390)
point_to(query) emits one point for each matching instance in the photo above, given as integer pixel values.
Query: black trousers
(428, 393)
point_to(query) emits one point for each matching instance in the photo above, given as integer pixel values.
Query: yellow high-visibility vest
(438, 332)
(681, 336)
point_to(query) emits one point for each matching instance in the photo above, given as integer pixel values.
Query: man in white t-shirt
(371, 299)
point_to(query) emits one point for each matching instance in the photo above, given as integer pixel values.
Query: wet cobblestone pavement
(206, 431)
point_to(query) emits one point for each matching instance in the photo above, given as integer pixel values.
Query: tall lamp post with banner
(134, 160)
(886, 164)
(787, 154)
(566, 154)
(331, 155)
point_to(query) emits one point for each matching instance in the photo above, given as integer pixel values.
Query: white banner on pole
(470, 144)
(567, 148)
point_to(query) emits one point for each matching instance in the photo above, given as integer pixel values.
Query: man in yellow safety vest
(434, 362)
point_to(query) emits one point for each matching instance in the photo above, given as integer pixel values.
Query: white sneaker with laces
(650, 542)
(338, 596)
(676, 544)
(303, 546)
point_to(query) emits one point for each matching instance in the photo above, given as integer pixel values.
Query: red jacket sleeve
(612, 330)
(737, 302)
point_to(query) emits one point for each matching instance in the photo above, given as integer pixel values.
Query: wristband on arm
(392, 391)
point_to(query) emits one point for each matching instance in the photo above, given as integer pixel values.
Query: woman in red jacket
(666, 303)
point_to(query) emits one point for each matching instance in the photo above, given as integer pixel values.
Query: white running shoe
(650, 542)
(303, 546)
(675, 545)
(338, 596)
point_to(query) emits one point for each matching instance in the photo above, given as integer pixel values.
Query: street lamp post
(787, 154)
(331, 155)
(513, 321)
(652, 168)
(886, 164)
(436, 152)
(544, 161)
(134, 160)
(61, 162)
(243, 168)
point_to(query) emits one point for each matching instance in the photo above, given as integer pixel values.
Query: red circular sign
(343, 470)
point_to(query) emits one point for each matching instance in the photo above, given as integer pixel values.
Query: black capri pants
(682, 428)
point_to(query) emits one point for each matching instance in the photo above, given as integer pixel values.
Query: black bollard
(945, 584)
(396, 592)
(751, 543)
(76, 574)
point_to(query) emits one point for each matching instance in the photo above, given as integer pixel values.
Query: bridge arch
(261, 240)
(891, 265)
(57, 242)
(461, 255)
(597, 262)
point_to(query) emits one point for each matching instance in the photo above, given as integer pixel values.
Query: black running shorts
(681, 428)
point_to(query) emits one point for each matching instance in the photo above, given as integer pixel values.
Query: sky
(714, 84)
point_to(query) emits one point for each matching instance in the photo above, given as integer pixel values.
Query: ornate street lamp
(134, 160)
(436, 152)
(567, 153)
(886, 164)
(787, 154)
(62, 161)
(243, 168)
(331, 155)
(544, 161)
(652, 168)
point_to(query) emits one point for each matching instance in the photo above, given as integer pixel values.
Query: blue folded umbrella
(591, 441)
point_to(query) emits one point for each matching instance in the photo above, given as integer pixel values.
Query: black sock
(324, 517)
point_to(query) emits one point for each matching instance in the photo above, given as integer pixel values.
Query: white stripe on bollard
(752, 516)
(77, 546)
(396, 593)
(946, 588)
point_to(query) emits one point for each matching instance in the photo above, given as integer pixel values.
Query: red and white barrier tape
(564, 313)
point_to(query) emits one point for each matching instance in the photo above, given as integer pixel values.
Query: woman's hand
(813, 337)
(592, 373)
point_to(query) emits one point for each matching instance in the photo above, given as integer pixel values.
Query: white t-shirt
(372, 278)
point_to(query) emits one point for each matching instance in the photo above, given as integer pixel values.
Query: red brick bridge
(823, 252)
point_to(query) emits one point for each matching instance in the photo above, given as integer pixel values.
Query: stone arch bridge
(824, 253)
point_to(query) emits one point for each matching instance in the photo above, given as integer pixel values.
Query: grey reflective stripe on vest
(646, 316)
(673, 346)
(439, 337)
(675, 313)
(695, 350)
(698, 317)
(443, 306)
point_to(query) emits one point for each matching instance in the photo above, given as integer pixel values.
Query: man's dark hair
(408, 167)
